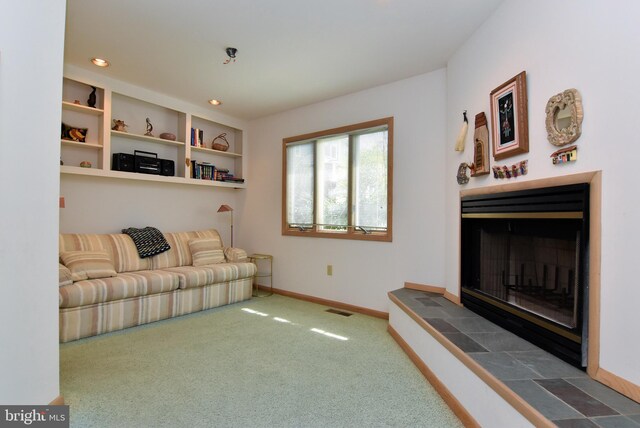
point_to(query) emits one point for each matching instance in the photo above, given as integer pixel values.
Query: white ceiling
(290, 52)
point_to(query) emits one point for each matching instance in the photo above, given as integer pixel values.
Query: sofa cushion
(205, 251)
(149, 241)
(199, 276)
(88, 264)
(121, 249)
(64, 275)
(180, 254)
(123, 286)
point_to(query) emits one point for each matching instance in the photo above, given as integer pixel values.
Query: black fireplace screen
(530, 264)
(523, 264)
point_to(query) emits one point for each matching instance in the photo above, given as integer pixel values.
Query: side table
(257, 259)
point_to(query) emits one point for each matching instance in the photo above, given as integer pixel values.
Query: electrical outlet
(329, 270)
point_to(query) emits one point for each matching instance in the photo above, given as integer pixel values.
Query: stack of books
(207, 171)
(197, 137)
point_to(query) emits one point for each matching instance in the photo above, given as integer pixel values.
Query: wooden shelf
(215, 152)
(83, 145)
(96, 172)
(82, 109)
(145, 138)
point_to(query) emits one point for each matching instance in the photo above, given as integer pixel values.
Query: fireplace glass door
(524, 264)
(530, 264)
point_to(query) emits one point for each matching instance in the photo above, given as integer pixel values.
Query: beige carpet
(267, 362)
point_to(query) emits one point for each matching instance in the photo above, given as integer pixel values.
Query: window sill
(356, 236)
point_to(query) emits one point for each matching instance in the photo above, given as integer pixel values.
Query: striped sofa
(146, 290)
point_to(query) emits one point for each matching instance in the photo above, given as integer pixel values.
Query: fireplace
(524, 265)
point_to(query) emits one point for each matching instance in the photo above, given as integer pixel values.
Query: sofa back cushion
(120, 247)
(180, 254)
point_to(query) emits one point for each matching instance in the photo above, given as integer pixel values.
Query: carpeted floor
(268, 362)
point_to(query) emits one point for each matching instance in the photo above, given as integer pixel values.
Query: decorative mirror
(564, 117)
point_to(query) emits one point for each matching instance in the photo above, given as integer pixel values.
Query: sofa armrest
(64, 275)
(235, 255)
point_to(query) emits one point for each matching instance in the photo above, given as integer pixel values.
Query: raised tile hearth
(561, 393)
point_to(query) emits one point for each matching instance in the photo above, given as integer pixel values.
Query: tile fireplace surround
(515, 386)
(594, 179)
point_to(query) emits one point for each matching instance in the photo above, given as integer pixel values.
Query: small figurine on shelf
(119, 125)
(85, 164)
(149, 129)
(91, 102)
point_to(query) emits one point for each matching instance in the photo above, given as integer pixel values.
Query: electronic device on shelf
(139, 162)
(146, 164)
(122, 162)
(168, 168)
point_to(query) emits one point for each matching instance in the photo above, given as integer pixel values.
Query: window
(337, 183)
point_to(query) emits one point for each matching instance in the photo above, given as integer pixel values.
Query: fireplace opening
(523, 265)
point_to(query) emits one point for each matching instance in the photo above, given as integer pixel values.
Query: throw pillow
(64, 275)
(149, 241)
(88, 264)
(236, 254)
(205, 251)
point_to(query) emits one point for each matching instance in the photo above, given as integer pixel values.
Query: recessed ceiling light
(100, 62)
(215, 102)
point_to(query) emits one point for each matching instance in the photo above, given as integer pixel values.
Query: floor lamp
(225, 208)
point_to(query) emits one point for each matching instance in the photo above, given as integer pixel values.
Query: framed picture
(509, 124)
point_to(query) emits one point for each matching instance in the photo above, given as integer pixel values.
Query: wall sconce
(225, 208)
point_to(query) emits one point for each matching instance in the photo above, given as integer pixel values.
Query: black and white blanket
(149, 241)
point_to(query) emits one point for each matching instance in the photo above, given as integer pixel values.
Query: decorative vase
(91, 102)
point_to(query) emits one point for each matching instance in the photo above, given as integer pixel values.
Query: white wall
(591, 46)
(100, 205)
(106, 205)
(362, 271)
(31, 52)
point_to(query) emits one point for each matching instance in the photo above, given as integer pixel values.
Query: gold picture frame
(509, 118)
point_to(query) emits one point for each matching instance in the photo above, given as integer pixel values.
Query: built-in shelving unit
(102, 142)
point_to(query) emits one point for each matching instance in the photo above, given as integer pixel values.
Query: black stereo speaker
(168, 168)
(122, 162)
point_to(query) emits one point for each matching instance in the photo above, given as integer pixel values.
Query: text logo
(34, 416)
